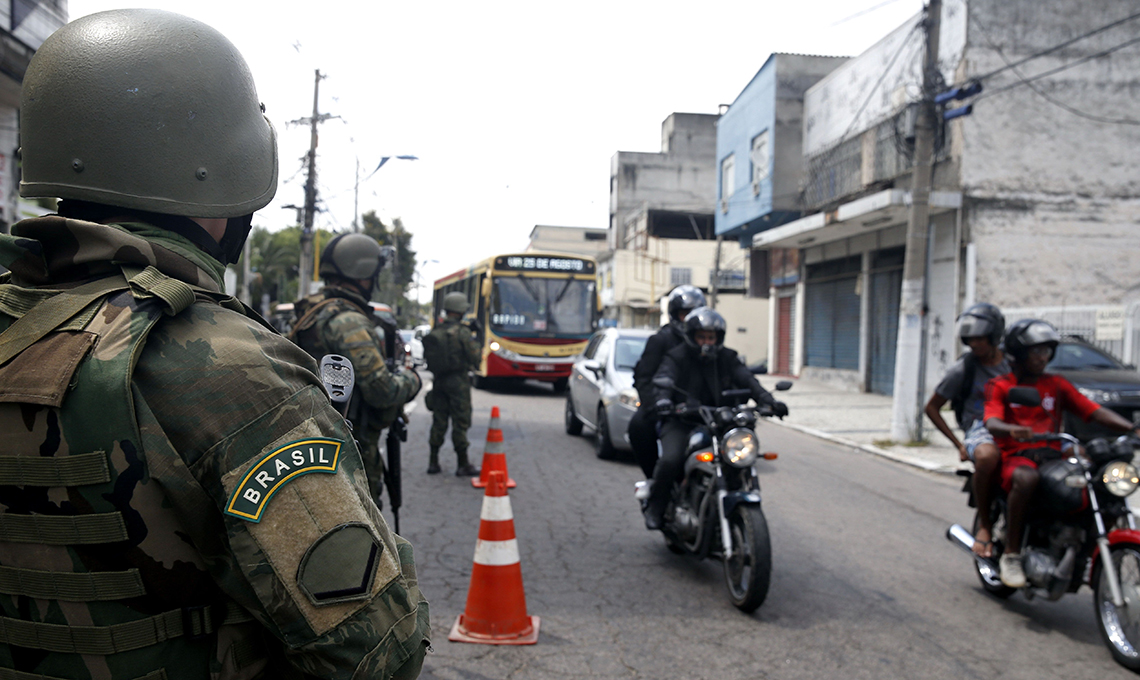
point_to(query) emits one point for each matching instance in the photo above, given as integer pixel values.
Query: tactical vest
(443, 352)
(75, 578)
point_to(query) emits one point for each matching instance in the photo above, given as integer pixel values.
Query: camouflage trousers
(452, 402)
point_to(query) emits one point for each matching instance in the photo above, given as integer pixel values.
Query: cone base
(482, 483)
(459, 634)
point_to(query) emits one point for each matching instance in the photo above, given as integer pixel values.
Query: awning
(870, 213)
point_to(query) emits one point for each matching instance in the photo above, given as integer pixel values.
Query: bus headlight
(1120, 478)
(495, 346)
(740, 447)
(629, 398)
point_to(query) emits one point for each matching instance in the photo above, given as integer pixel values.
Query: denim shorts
(977, 434)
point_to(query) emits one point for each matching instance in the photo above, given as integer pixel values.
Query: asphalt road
(864, 583)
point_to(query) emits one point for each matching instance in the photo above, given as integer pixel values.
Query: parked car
(601, 394)
(415, 346)
(1100, 377)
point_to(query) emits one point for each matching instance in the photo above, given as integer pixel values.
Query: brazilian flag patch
(272, 472)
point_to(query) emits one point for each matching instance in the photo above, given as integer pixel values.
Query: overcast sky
(513, 108)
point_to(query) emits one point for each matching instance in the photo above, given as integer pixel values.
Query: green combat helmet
(110, 114)
(455, 302)
(353, 256)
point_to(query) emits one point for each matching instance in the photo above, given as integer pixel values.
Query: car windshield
(524, 306)
(1076, 357)
(627, 351)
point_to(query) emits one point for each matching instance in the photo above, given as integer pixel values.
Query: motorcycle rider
(703, 368)
(643, 426)
(980, 328)
(1031, 343)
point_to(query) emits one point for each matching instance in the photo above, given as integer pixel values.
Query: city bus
(535, 312)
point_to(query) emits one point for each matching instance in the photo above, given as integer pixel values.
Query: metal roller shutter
(832, 324)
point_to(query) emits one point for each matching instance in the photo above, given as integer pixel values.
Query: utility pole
(307, 266)
(715, 287)
(910, 357)
(356, 199)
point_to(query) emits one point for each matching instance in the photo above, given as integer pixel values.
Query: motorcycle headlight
(629, 398)
(740, 447)
(1120, 478)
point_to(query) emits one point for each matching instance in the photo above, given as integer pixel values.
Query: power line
(866, 11)
(1041, 93)
(1054, 48)
(1045, 74)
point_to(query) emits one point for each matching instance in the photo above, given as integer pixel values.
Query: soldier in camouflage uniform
(339, 320)
(451, 354)
(178, 499)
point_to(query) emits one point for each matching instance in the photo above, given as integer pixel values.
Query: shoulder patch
(263, 480)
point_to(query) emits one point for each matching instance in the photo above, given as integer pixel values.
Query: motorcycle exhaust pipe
(958, 535)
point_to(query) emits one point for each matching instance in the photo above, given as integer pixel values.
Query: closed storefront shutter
(832, 315)
(886, 289)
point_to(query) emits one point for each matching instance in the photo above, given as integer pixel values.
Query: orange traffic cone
(494, 458)
(496, 604)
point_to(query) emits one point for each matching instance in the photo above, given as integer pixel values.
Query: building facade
(24, 25)
(1035, 194)
(588, 241)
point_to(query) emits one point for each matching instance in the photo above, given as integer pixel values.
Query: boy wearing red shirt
(1031, 343)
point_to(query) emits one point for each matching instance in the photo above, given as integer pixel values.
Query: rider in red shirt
(1031, 344)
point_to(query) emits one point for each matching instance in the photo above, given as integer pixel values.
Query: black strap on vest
(183, 226)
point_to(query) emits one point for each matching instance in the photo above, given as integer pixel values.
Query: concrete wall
(747, 325)
(1053, 198)
(545, 238)
(682, 177)
(831, 105)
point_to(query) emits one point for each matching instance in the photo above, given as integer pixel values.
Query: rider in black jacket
(643, 426)
(703, 368)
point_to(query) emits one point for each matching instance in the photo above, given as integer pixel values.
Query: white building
(588, 241)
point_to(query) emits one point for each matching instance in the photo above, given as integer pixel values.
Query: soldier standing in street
(178, 498)
(339, 320)
(451, 354)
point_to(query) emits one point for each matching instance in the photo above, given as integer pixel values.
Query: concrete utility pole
(306, 267)
(910, 356)
(715, 287)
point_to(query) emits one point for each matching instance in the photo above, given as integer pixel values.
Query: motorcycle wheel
(1120, 628)
(573, 425)
(989, 577)
(604, 445)
(748, 573)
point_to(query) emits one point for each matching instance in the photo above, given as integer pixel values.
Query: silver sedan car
(601, 394)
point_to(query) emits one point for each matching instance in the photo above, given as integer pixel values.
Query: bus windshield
(522, 306)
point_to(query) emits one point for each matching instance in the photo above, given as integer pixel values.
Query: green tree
(401, 269)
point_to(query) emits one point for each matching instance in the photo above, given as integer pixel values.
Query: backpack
(441, 351)
(958, 402)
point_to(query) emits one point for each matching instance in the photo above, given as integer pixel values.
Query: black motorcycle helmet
(704, 319)
(982, 320)
(1029, 333)
(682, 300)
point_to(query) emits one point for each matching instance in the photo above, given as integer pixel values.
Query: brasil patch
(288, 462)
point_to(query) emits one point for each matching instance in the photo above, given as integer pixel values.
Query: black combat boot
(433, 463)
(465, 468)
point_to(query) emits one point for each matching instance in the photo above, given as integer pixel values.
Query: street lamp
(356, 187)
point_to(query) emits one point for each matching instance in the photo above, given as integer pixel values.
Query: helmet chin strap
(233, 241)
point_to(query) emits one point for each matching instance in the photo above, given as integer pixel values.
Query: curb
(868, 448)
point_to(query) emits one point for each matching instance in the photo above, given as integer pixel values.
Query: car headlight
(740, 447)
(1099, 396)
(1120, 478)
(629, 398)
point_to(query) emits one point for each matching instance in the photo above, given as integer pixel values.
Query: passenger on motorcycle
(700, 370)
(980, 328)
(1031, 344)
(643, 426)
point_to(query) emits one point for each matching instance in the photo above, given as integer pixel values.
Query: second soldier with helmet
(451, 354)
(339, 320)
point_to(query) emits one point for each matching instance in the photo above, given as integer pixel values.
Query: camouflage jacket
(449, 348)
(158, 517)
(337, 321)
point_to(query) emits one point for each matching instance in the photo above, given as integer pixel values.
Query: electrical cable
(1054, 71)
(1054, 48)
(1042, 94)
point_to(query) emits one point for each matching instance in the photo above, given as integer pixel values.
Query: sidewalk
(861, 421)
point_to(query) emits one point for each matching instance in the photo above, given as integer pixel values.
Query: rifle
(397, 432)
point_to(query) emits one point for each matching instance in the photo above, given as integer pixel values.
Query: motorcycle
(714, 510)
(1077, 518)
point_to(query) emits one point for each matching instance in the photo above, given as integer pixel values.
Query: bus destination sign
(569, 265)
